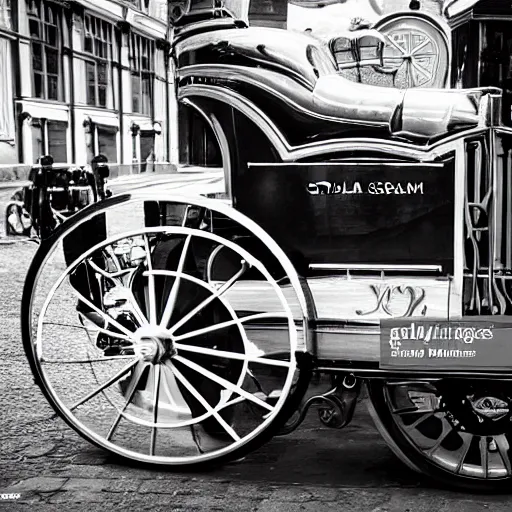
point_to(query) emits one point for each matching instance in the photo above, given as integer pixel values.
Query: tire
(440, 430)
(169, 401)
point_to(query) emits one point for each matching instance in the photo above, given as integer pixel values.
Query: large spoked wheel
(169, 344)
(458, 432)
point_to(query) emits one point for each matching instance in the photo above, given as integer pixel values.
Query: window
(141, 5)
(45, 30)
(141, 55)
(49, 138)
(5, 14)
(98, 43)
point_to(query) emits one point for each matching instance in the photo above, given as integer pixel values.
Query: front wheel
(458, 432)
(166, 344)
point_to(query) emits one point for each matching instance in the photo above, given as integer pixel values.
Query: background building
(79, 77)
(83, 77)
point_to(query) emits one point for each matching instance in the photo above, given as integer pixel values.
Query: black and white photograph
(256, 255)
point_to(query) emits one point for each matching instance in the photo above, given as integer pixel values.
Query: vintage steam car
(185, 330)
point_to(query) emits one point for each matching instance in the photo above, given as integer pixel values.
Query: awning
(51, 113)
(145, 125)
(112, 121)
(453, 8)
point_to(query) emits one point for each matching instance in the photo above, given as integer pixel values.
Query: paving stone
(84, 497)
(37, 484)
(86, 484)
(94, 459)
(302, 494)
(255, 491)
(38, 450)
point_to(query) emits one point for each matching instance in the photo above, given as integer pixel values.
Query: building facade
(84, 77)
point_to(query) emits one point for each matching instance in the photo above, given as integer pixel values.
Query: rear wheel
(458, 432)
(168, 344)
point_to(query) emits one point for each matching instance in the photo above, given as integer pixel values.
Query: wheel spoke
(84, 328)
(231, 355)
(223, 325)
(173, 294)
(397, 46)
(484, 455)
(223, 289)
(204, 403)
(421, 419)
(420, 46)
(151, 283)
(95, 327)
(155, 409)
(136, 310)
(115, 260)
(421, 70)
(174, 395)
(105, 316)
(464, 449)
(410, 78)
(503, 448)
(105, 385)
(447, 429)
(131, 392)
(223, 382)
(106, 274)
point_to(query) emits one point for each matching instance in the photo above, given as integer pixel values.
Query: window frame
(102, 35)
(45, 22)
(6, 21)
(142, 68)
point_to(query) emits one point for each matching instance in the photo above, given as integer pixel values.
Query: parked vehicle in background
(55, 193)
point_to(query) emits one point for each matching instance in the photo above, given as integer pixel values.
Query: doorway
(147, 151)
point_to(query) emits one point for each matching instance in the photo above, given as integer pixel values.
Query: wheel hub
(154, 345)
(490, 407)
(481, 413)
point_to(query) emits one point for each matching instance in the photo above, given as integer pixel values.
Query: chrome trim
(341, 163)
(429, 376)
(355, 266)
